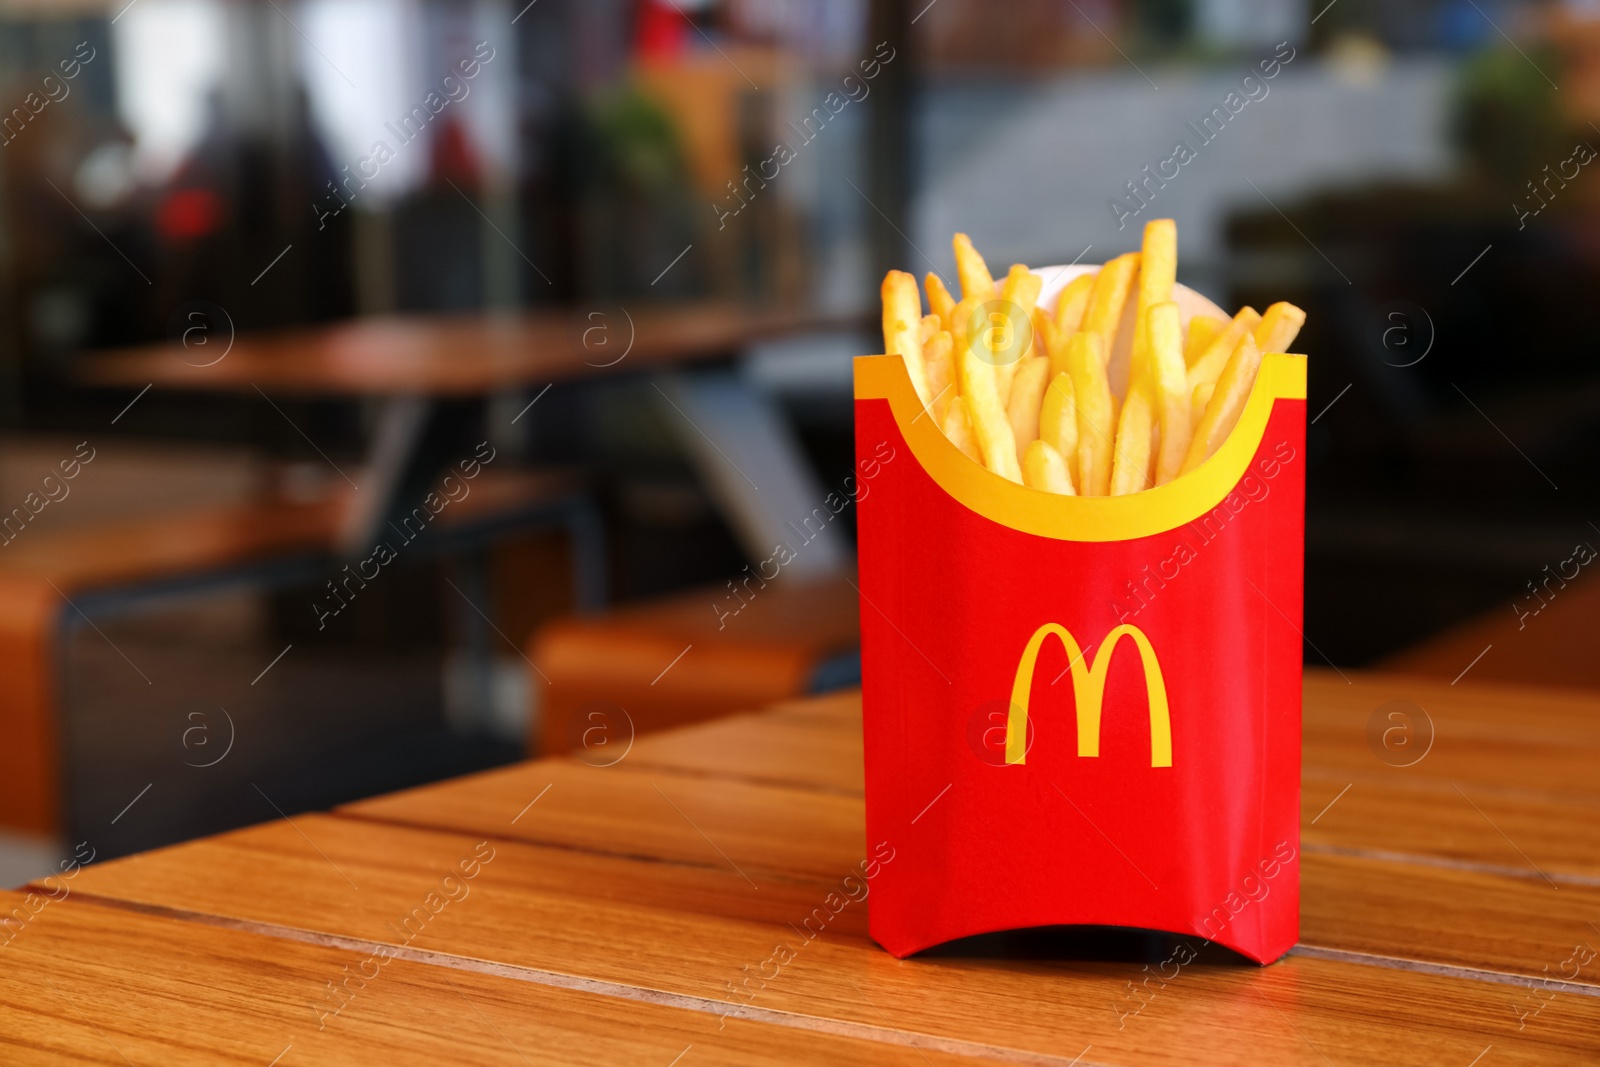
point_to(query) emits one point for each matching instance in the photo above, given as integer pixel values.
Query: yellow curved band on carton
(1088, 689)
(1081, 518)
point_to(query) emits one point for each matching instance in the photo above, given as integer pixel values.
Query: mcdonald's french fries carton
(1083, 709)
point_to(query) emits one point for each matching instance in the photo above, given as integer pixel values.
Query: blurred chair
(1554, 646)
(261, 536)
(687, 658)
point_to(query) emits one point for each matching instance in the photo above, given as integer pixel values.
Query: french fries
(1203, 329)
(1111, 288)
(975, 375)
(1168, 382)
(958, 428)
(1027, 396)
(1215, 357)
(1279, 327)
(1058, 420)
(1086, 363)
(1158, 273)
(1226, 403)
(1044, 468)
(971, 270)
(902, 323)
(1023, 388)
(1018, 294)
(1130, 465)
(940, 302)
(1073, 302)
(1198, 402)
(938, 356)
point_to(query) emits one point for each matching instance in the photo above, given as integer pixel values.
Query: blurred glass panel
(170, 59)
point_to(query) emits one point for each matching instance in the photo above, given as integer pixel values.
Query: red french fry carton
(1082, 710)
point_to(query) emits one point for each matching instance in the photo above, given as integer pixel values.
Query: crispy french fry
(1042, 328)
(1111, 288)
(1044, 468)
(1058, 420)
(1086, 363)
(1168, 380)
(1073, 301)
(976, 378)
(973, 272)
(1021, 287)
(1053, 342)
(1279, 326)
(1203, 329)
(929, 326)
(902, 323)
(1027, 394)
(1130, 465)
(958, 428)
(1019, 294)
(1220, 350)
(1158, 273)
(938, 356)
(1226, 404)
(1198, 402)
(965, 329)
(940, 302)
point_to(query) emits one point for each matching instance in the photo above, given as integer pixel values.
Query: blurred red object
(187, 214)
(660, 32)
(452, 157)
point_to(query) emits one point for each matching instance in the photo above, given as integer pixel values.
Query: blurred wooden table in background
(557, 912)
(447, 355)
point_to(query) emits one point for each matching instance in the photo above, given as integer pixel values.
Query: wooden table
(425, 372)
(613, 910)
(445, 355)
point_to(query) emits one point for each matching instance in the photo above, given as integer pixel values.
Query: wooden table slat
(1435, 896)
(94, 984)
(696, 931)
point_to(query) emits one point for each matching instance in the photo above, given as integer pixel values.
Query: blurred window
(169, 57)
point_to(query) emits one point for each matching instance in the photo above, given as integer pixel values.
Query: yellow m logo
(1088, 687)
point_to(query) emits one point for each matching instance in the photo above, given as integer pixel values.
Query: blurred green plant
(631, 183)
(635, 142)
(1508, 121)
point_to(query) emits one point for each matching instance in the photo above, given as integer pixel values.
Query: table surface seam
(800, 784)
(789, 877)
(884, 1035)
(1443, 970)
(1417, 859)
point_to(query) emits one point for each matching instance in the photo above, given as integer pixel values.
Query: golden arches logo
(1088, 689)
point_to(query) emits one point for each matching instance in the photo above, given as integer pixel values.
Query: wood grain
(695, 931)
(813, 743)
(676, 873)
(1484, 794)
(665, 815)
(90, 984)
(1498, 737)
(451, 355)
(1488, 904)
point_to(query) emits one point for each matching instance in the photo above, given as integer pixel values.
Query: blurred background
(361, 243)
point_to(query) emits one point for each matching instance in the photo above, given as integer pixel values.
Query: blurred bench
(677, 660)
(48, 578)
(1553, 647)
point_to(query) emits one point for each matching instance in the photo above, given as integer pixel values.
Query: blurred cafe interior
(274, 273)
